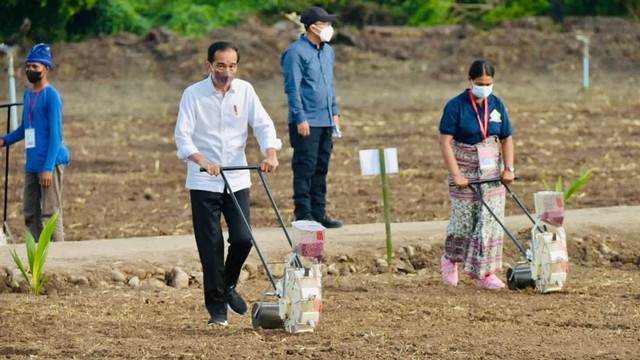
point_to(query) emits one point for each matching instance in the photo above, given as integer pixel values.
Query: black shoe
(218, 315)
(328, 222)
(235, 301)
(306, 217)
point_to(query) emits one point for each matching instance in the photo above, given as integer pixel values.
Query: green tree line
(72, 20)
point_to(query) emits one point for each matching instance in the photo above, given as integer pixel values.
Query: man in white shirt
(211, 132)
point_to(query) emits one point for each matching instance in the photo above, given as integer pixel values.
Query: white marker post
(382, 161)
(585, 60)
(12, 84)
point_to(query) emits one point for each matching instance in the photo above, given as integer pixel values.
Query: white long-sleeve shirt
(216, 126)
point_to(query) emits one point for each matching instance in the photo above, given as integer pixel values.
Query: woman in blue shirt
(476, 143)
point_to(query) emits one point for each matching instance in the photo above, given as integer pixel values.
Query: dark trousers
(219, 274)
(310, 164)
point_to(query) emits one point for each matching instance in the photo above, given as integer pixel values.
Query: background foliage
(69, 20)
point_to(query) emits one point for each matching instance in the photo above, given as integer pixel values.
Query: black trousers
(219, 274)
(310, 165)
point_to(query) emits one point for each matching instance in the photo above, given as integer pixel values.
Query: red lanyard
(32, 106)
(484, 128)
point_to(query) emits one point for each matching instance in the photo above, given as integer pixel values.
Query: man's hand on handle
(210, 168)
(507, 176)
(460, 181)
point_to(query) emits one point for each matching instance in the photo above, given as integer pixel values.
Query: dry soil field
(121, 96)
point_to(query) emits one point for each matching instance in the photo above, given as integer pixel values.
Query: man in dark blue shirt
(307, 66)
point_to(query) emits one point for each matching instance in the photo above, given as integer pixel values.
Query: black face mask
(34, 76)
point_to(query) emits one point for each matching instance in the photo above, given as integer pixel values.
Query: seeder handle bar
(242, 167)
(474, 185)
(513, 195)
(233, 168)
(258, 169)
(8, 105)
(481, 181)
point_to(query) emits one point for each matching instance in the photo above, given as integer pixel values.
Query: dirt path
(351, 240)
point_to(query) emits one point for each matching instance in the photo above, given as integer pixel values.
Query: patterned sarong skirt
(474, 237)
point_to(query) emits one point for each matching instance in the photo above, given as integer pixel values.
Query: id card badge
(489, 158)
(29, 138)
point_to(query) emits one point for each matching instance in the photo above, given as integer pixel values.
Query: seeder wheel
(266, 316)
(519, 277)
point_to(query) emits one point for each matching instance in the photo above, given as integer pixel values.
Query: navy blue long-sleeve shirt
(308, 82)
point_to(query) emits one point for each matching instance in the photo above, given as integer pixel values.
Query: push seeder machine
(546, 261)
(298, 294)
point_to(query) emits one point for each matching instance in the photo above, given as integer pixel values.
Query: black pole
(273, 205)
(246, 224)
(478, 191)
(524, 208)
(6, 163)
(280, 220)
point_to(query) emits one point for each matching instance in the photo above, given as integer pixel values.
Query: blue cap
(40, 53)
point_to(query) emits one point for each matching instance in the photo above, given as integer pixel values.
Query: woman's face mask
(481, 92)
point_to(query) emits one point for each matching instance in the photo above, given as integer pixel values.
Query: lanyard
(484, 128)
(32, 106)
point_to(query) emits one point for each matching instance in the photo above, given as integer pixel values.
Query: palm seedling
(37, 256)
(572, 188)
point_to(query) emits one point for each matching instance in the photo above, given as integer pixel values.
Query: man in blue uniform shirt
(47, 155)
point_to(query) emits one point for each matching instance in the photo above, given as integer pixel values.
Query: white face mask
(326, 34)
(481, 92)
